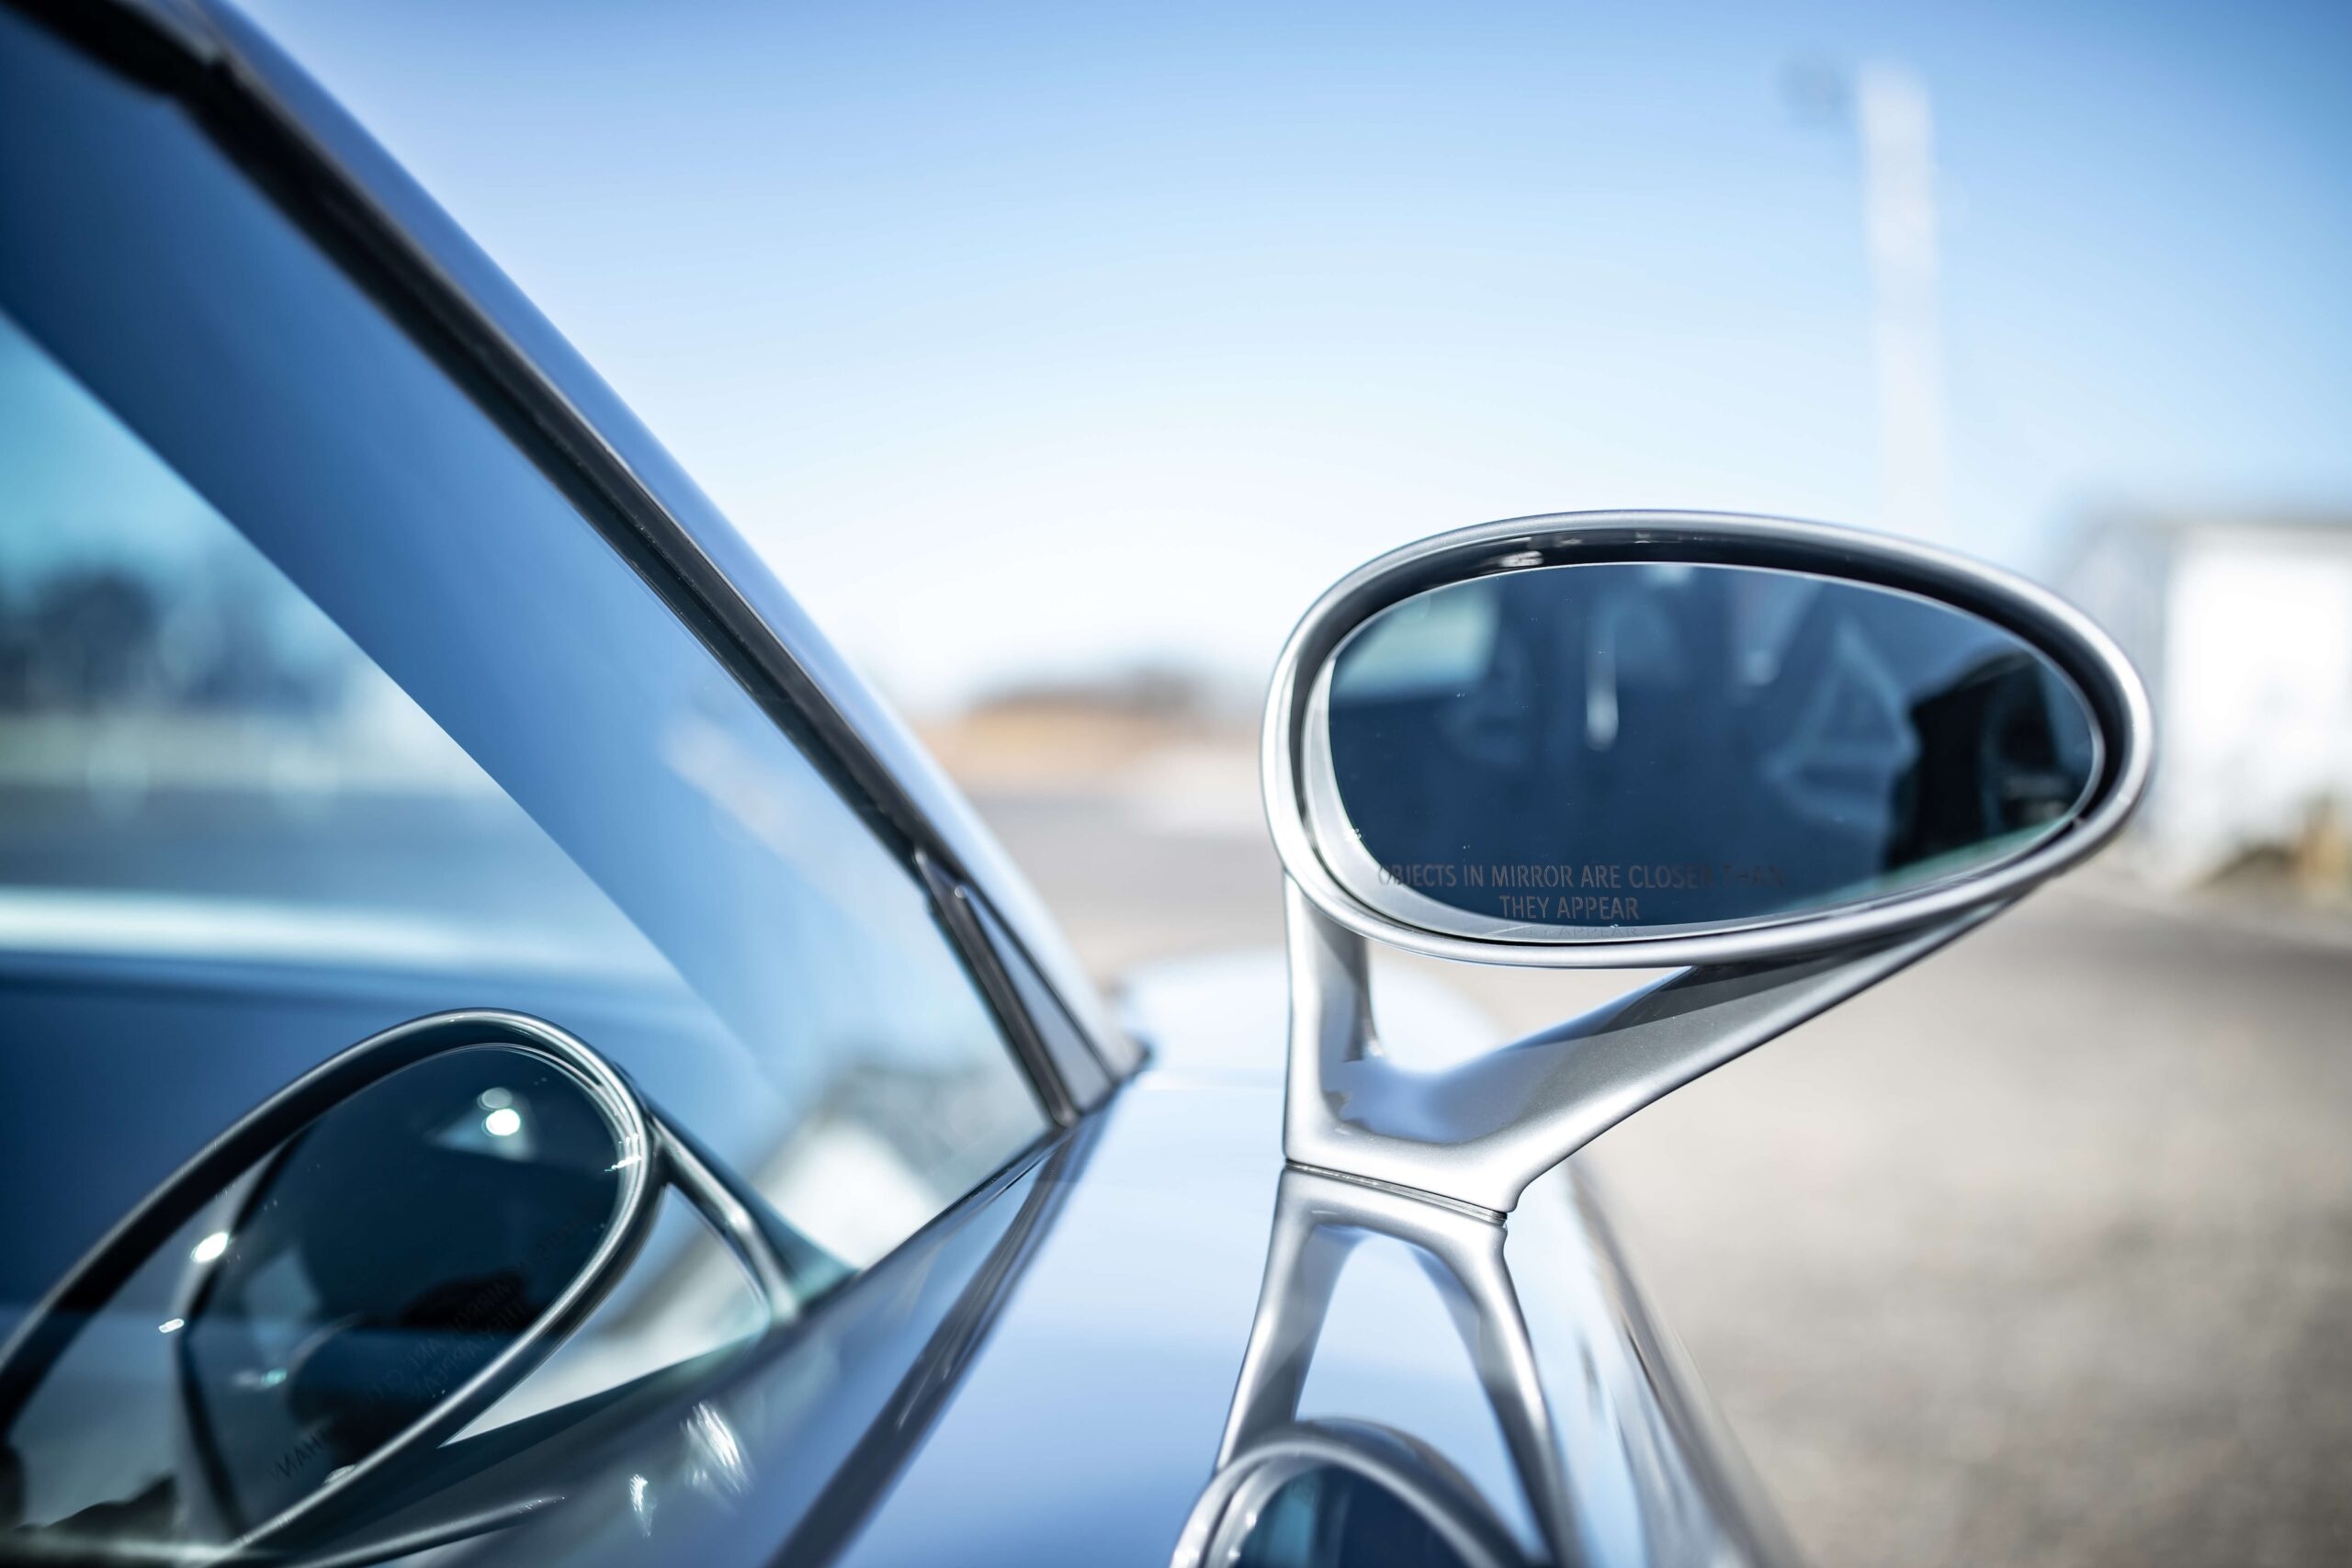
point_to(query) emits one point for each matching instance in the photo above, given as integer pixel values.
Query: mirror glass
(322, 1303)
(1582, 753)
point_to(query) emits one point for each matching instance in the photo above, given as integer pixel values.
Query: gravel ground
(2039, 1252)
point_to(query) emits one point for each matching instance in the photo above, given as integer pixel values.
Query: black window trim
(1022, 1034)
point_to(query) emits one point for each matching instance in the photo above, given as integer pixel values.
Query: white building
(2243, 630)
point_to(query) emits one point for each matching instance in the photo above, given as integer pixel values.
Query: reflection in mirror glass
(685, 1297)
(1612, 750)
(321, 1304)
(1333, 1518)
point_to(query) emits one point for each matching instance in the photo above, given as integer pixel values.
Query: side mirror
(339, 1283)
(1791, 757)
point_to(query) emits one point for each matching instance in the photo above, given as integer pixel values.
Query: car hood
(1087, 1426)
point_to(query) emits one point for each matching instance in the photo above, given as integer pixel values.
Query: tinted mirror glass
(1583, 752)
(321, 1304)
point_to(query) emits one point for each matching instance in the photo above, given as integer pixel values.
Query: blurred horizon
(1045, 346)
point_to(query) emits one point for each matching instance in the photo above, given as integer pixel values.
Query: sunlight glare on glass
(502, 1122)
(210, 1248)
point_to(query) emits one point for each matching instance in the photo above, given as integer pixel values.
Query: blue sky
(1033, 338)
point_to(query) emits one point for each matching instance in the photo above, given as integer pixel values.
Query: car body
(1037, 1362)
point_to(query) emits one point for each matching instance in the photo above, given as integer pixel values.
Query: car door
(341, 682)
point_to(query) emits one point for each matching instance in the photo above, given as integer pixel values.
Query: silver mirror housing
(1478, 1135)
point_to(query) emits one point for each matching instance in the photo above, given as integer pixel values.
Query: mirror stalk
(1475, 1135)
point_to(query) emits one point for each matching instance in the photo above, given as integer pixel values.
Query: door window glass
(207, 782)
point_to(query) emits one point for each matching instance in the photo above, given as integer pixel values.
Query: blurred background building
(2241, 626)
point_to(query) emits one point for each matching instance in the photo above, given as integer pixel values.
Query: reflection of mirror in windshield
(1663, 746)
(323, 1303)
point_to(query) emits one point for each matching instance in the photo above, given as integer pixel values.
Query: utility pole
(1899, 215)
(1886, 107)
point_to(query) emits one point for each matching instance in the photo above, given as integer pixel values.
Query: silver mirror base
(1477, 1134)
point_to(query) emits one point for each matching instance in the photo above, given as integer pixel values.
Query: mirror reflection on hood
(1332, 1517)
(1292, 1492)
